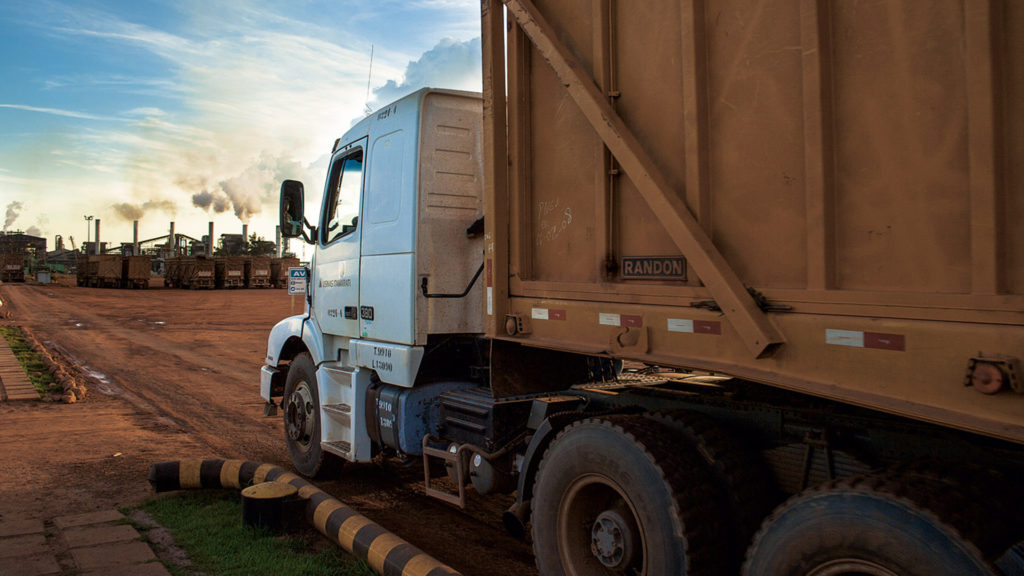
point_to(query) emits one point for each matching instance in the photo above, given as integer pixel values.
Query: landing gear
(617, 495)
(301, 407)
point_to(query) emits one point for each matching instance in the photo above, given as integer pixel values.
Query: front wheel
(622, 495)
(301, 407)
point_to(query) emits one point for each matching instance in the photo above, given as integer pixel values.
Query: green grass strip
(207, 524)
(35, 367)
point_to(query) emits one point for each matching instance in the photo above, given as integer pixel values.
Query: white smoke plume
(13, 210)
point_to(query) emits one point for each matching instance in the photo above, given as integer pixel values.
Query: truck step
(456, 460)
(340, 412)
(341, 448)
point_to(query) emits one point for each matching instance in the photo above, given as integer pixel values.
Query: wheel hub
(611, 540)
(299, 415)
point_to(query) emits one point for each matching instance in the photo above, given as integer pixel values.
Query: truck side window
(344, 188)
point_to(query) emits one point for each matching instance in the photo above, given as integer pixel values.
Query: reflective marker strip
(627, 320)
(694, 326)
(858, 339)
(546, 314)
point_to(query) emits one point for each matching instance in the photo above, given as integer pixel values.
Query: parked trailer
(808, 211)
(105, 270)
(279, 270)
(196, 272)
(135, 271)
(231, 271)
(257, 272)
(172, 272)
(12, 267)
(82, 271)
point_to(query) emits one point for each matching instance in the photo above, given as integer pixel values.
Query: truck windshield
(345, 185)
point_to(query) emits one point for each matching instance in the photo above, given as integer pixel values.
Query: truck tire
(749, 492)
(621, 495)
(867, 527)
(301, 407)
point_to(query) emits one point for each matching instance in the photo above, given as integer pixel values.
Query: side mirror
(292, 206)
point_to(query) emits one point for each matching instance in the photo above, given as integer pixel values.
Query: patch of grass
(35, 367)
(207, 524)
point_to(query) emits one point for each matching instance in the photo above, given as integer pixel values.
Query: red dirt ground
(174, 374)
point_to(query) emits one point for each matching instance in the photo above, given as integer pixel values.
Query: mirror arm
(311, 238)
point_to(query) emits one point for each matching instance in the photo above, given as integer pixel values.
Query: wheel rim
(299, 418)
(851, 567)
(598, 530)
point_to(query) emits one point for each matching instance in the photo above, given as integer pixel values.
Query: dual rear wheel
(634, 495)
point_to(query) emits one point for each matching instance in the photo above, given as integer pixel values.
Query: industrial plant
(233, 261)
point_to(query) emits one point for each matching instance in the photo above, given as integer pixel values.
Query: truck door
(336, 284)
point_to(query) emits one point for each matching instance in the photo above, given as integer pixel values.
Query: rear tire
(869, 527)
(619, 495)
(301, 407)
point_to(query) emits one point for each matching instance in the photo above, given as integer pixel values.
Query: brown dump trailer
(135, 271)
(820, 200)
(279, 270)
(257, 272)
(172, 272)
(196, 272)
(748, 292)
(231, 271)
(82, 271)
(12, 267)
(104, 271)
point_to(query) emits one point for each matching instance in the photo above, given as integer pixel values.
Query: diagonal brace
(757, 332)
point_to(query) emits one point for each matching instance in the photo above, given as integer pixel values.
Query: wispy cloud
(53, 111)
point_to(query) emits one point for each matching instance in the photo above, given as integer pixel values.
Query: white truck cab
(396, 266)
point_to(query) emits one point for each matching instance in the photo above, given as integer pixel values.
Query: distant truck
(135, 271)
(712, 287)
(12, 267)
(230, 271)
(172, 272)
(279, 270)
(257, 272)
(196, 273)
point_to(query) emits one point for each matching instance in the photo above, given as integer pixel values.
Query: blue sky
(191, 111)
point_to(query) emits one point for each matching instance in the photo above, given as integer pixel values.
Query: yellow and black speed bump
(386, 553)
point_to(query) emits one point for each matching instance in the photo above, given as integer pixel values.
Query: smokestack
(135, 238)
(209, 243)
(172, 247)
(277, 241)
(245, 232)
(98, 251)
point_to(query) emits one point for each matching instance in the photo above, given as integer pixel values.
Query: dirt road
(174, 374)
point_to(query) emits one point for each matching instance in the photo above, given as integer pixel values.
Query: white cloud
(450, 64)
(246, 97)
(54, 111)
